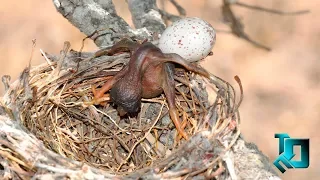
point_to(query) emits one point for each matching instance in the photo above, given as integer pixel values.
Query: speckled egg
(192, 38)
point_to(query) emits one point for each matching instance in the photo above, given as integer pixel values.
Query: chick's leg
(169, 90)
(99, 94)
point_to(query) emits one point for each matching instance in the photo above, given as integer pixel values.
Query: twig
(63, 55)
(229, 162)
(6, 82)
(47, 60)
(236, 106)
(180, 9)
(114, 122)
(237, 27)
(171, 174)
(211, 175)
(258, 8)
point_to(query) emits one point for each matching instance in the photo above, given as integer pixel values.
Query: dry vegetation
(53, 101)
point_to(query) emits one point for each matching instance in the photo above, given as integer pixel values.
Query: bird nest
(52, 129)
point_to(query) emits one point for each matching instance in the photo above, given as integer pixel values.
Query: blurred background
(282, 87)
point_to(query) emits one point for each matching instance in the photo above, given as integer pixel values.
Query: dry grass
(53, 101)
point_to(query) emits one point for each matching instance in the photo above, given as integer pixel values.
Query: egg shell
(192, 38)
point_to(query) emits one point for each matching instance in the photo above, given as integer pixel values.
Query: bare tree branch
(258, 8)
(146, 14)
(237, 27)
(180, 9)
(97, 19)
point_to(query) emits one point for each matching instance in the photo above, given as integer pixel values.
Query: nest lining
(52, 101)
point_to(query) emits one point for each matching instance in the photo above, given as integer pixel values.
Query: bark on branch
(146, 14)
(98, 19)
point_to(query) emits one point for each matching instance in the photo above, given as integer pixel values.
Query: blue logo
(286, 145)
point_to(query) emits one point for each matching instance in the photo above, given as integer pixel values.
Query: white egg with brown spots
(192, 38)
